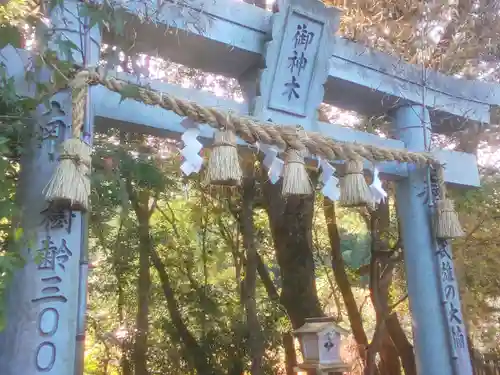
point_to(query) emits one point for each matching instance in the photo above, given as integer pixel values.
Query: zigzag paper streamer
(271, 160)
(330, 188)
(378, 192)
(192, 160)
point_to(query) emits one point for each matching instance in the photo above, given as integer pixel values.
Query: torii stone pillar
(45, 299)
(438, 348)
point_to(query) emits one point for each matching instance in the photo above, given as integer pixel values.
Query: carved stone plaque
(291, 85)
(294, 71)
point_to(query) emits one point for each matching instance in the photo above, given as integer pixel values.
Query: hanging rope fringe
(70, 183)
(447, 222)
(251, 130)
(223, 165)
(354, 191)
(295, 178)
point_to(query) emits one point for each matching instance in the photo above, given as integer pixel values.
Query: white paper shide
(272, 162)
(192, 160)
(378, 192)
(330, 188)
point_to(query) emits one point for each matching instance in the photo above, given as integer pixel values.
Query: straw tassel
(70, 184)
(354, 191)
(223, 165)
(295, 178)
(447, 222)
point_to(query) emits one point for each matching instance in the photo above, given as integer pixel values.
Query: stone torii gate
(46, 305)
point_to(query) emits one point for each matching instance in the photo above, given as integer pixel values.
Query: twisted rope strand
(78, 99)
(443, 191)
(252, 130)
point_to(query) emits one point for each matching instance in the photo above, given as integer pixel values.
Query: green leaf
(18, 234)
(28, 104)
(42, 89)
(129, 91)
(54, 3)
(29, 76)
(59, 79)
(2, 321)
(66, 47)
(96, 16)
(119, 22)
(10, 35)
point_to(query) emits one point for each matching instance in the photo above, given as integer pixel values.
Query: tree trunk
(290, 220)
(381, 271)
(143, 287)
(374, 346)
(403, 346)
(272, 292)
(124, 361)
(197, 357)
(290, 355)
(288, 340)
(389, 357)
(342, 280)
(392, 342)
(120, 303)
(291, 227)
(256, 339)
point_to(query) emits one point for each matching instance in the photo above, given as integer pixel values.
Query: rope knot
(445, 205)
(295, 178)
(294, 156)
(354, 167)
(222, 143)
(223, 165)
(81, 80)
(76, 158)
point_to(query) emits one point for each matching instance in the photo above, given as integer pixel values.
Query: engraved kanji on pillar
(453, 311)
(56, 254)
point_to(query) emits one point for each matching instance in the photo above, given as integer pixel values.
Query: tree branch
(197, 357)
(398, 302)
(256, 339)
(171, 221)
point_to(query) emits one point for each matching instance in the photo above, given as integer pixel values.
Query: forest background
(186, 279)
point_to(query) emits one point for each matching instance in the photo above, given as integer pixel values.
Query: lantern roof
(324, 367)
(317, 325)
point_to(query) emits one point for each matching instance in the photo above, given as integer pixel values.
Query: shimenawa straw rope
(223, 165)
(251, 130)
(295, 178)
(70, 183)
(447, 223)
(355, 190)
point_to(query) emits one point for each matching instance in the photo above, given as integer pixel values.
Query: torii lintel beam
(461, 168)
(230, 39)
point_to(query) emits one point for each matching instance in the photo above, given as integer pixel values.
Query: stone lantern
(319, 340)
